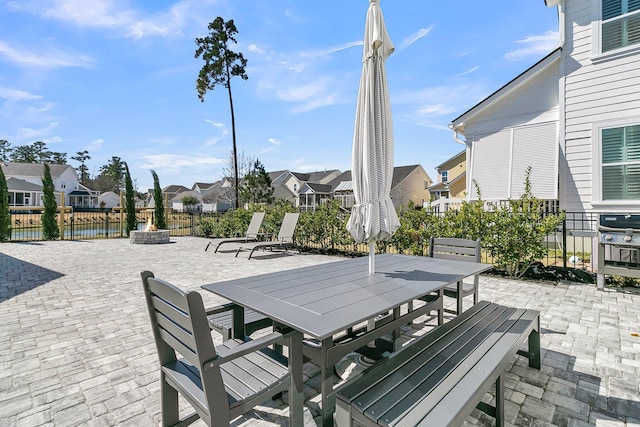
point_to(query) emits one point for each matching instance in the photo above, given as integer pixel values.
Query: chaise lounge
(250, 236)
(285, 236)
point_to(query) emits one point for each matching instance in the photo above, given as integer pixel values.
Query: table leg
(328, 400)
(238, 322)
(296, 391)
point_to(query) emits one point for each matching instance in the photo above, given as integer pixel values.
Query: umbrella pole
(372, 257)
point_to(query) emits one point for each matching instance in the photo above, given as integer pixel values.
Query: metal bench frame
(442, 376)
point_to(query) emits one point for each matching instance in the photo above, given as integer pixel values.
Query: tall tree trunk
(233, 134)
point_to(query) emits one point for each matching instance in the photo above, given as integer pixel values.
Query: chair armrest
(250, 346)
(220, 308)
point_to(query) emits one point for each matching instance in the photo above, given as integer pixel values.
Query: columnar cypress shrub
(130, 203)
(50, 230)
(161, 222)
(5, 216)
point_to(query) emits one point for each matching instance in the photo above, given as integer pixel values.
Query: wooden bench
(441, 377)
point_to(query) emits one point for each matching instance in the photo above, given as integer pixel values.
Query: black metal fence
(570, 246)
(27, 225)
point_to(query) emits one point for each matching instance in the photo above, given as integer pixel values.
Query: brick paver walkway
(76, 347)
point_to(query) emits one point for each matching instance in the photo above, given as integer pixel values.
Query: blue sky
(117, 78)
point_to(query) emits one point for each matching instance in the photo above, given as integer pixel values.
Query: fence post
(71, 219)
(106, 224)
(564, 241)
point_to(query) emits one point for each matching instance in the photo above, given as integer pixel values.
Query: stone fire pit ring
(149, 237)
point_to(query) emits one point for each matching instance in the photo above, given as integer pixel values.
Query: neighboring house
(574, 117)
(110, 199)
(287, 185)
(84, 198)
(451, 188)
(312, 195)
(24, 193)
(343, 190)
(177, 205)
(201, 187)
(168, 193)
(409, 184)
(64, 179)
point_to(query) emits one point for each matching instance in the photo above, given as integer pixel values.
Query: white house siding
(519, 131)
(596, 90)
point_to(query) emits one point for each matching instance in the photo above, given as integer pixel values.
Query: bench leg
(499, 402)
(459, 299)
(534, 348)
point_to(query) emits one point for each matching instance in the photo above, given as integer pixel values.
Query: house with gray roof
(65, 181)
(409, 184)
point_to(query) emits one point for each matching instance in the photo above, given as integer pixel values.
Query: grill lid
(619, 221)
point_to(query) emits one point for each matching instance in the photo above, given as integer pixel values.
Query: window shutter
(612, 140)
(611, 9)
(488, 150)
(634, 5)
(611, 35)
(537, 147)
(633, 143)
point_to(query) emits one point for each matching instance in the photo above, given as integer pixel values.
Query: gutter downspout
(456, 138)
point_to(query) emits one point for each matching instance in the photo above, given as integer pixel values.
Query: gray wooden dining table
(327, 301)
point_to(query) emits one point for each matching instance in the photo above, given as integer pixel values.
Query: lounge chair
(285, 236)
(250, 236)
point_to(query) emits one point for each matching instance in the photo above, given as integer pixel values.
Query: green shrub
(5, 215)
(514, 233)
(50, 230)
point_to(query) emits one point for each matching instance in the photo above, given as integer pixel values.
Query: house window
(445, 176)
(620, 23)
(620, 156)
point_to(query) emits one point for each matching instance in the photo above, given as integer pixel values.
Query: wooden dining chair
(459, 250)
(221, 383)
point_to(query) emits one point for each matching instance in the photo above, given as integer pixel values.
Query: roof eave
(458, 123)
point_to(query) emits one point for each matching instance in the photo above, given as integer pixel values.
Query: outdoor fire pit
(149, 235)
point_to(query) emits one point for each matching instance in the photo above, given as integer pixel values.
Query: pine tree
(50, 230)
(130, 202)
(5, 215)
(257, 185)
(161, 223)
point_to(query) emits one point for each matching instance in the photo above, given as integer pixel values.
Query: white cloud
(415, 37)
(216, 124)
(49, 58)
(308, 79)
(215, 140)
(318, 53)
(117, 17)
(274, 141)
(17, 95)
(27, 133)
(534, 46)
(176, 162)
(256, 49)
(469, 71)
(94, 145)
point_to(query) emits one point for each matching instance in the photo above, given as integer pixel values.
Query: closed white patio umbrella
(373, 217)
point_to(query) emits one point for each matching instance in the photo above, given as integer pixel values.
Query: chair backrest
(288, 227)
(454, 248)
(180, 325)
(254, 225)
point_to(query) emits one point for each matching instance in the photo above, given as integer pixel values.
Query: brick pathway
(76, 347)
